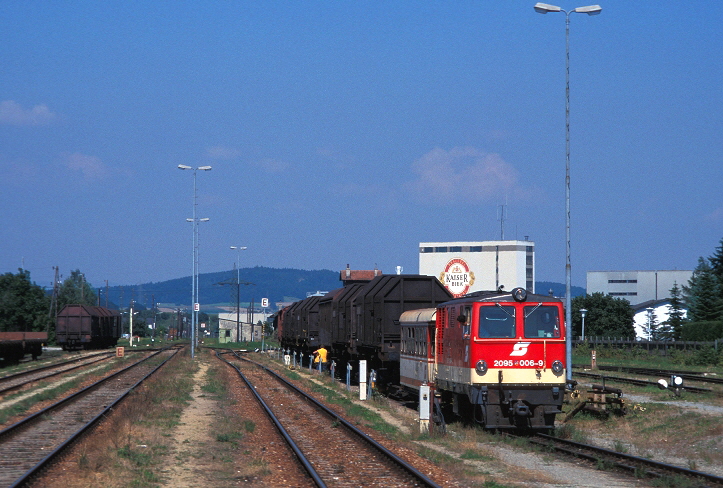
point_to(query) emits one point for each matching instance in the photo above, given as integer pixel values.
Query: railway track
(29, 445)
(632, 465)
(18, 380)
(637, 382)
(686, 375)
(332, 451)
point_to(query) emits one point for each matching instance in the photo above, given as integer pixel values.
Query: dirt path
(191, 466)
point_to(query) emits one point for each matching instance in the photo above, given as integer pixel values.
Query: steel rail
(686, 375)
(633, 381)
(6, 389)
(630, 458)
(362, 435)
(50, 366)
(57, 450)
(277, 423)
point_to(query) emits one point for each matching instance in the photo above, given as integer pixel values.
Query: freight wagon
(87, 327)
(15, 345)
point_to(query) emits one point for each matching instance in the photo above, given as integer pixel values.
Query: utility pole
(250, 318)
(53, 300)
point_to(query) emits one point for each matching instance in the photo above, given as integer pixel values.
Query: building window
(475, 249)
(623, 294)
(622, 281)
(529, 248)
(426, 249)
(440, 249)
(455, 249)
(529, 273)
(529, 260)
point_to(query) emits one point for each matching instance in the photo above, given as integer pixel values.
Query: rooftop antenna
(501, 215)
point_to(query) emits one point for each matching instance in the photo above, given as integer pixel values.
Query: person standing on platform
(320, 356)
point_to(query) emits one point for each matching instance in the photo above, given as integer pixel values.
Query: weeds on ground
(125, 451)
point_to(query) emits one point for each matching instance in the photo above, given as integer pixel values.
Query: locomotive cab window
(496, 322)
(465, 319)
(542, 321)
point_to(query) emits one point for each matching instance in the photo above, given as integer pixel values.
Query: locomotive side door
(466, 312)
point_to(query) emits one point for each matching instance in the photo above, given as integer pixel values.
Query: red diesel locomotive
(496, 357)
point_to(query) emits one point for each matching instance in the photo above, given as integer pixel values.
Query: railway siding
(29, 444)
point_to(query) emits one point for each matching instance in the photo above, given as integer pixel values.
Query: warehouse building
(636, 286)
(466, 266)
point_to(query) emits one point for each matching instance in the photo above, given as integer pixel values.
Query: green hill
(278, 285)
(220, 288)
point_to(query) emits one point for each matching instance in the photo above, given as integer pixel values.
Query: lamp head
(590, 10)
(543, 8)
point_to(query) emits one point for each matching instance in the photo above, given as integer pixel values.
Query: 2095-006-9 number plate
(530, 363)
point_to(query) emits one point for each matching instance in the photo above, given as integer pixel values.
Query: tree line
(696, 308)
(703, 297)
(28, 307)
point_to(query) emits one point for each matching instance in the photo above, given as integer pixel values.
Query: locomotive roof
(502, 296)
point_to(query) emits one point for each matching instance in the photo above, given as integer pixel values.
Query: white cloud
(91, 167)
(12, 113)
(273, 165)
(715, 216)
(222, 153)
(462, 174)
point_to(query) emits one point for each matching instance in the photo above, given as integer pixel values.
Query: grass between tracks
(129, 447)
(138, 445)
(46, 392)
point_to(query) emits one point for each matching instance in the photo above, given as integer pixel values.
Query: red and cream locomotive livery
(497, 357)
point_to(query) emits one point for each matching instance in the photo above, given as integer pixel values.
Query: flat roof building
(636, 286)
(467, 266)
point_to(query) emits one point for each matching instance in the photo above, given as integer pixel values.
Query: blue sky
(348, 132)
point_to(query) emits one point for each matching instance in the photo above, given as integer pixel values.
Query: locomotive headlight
(557, 367)
(519, 294)
(481, 367)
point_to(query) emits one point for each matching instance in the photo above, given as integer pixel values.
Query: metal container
(84, 326)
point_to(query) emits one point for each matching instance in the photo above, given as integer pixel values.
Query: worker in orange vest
(320, 357)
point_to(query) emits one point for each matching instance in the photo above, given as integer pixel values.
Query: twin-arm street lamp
(544, 8)
(194, 272)
(238, 289)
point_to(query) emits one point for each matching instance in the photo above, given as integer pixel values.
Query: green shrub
(702, 331)
(704, 357)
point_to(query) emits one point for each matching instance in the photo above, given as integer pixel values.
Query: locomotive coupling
(521, 410)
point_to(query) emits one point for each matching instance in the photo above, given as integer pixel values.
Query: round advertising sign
(457, 277)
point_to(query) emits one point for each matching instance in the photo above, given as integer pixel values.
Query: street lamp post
(194, 272)
(238, 288)
(544, 8)
(583, 312)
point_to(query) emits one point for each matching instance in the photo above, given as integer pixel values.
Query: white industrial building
(231, 323)
(467, 266)
(650, 313)
(636, 286)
